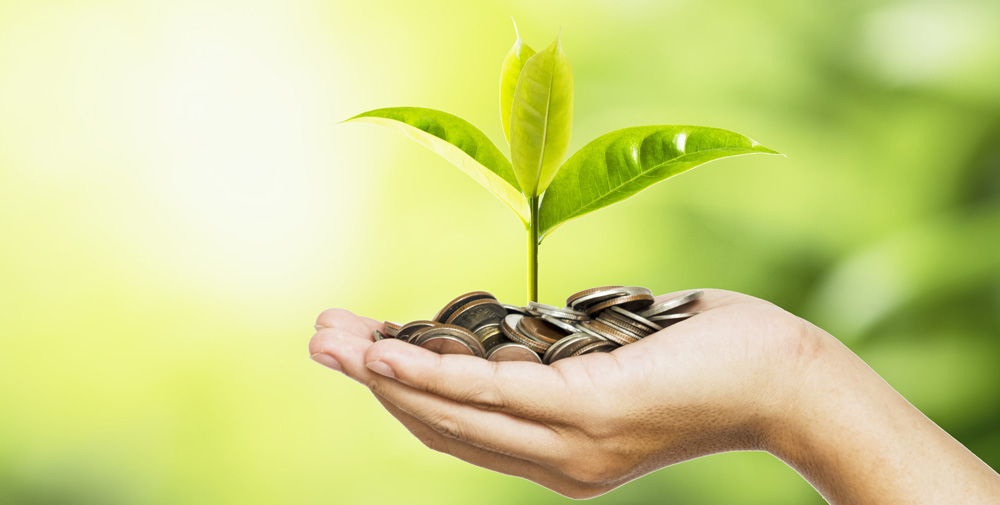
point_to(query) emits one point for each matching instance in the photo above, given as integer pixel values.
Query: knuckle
(446, 425)
(487, 398)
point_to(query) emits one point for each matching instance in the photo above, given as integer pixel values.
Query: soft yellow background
(178, 203)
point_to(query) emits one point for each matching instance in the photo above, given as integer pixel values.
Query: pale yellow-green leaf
(541, 119)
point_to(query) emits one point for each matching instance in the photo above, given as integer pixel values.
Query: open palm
(587, 424)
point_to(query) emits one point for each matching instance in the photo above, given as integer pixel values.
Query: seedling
(536, 109)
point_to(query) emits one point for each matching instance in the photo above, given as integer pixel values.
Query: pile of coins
(593, 320)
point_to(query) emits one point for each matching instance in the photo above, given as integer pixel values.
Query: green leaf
(622, 163)
(511, 70)
(541, 119)
(457, 141)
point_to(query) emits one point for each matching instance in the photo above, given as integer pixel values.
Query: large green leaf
(541, 118)
(457, 141)
(511, 70)
(622, 163)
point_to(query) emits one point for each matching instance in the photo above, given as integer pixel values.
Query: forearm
(858, 441)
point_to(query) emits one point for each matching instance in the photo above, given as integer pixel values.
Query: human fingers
(490, 430)
(508, 465)
(528, 390)
(345, 348)
(347, 320)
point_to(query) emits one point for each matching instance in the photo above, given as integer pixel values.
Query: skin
(743, 375)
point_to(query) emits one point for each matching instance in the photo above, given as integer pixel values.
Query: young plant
(536, 109)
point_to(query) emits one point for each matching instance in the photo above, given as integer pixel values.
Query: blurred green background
(178, 203)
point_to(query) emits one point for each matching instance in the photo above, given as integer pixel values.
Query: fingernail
(327, 361)
(318, 327)
(381, 368)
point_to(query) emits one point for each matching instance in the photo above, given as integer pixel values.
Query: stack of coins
(593, 320)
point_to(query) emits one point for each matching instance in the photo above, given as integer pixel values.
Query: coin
(671, 319)
(630, 302)
(632, 325)
(539, 329)
(449, 339)
(514, 309)
(595, 347)
(407, 330)
(631, 330)
(594, 320)
(391, 329)
(539, 309)
(568, 328)
(449, 309)
(638, 319)
(477, 313)
(610, 333)
(588, 297)
(512, 352)
(509, 328)
(672, 303)
(567, 346)
(490, 335)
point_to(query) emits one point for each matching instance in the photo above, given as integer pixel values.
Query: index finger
(527, 390)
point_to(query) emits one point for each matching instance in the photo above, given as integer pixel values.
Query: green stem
(533, 250)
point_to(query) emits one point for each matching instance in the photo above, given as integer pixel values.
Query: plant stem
(533, 250)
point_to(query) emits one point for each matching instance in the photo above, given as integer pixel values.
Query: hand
(723, 380)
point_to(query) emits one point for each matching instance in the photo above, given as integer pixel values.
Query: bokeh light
(178, 202)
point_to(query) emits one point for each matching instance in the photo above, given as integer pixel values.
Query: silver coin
(635, 317)
(675, 317)
(512, 352)
(540, 309)
(567, 346)
(672, 303)
(514, 309)
(560, 323)
(378, 335)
